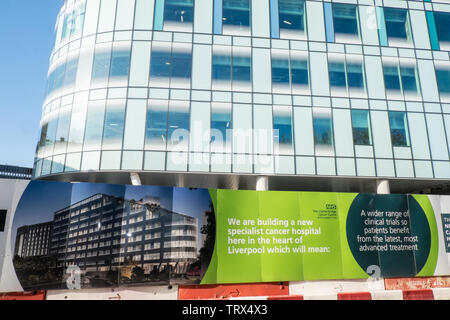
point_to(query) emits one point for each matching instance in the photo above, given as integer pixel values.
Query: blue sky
(27, 33)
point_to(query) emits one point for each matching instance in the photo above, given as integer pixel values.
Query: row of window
(288, 19)
(167, 127)
(233, 71)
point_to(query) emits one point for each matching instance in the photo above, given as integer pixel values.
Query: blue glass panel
(94, 124)
(159, 14)
(236, 13)
(299, 72)
(241, 68)
(432, 31)
(292, 14)
(120, 63)
(355, 78)
(70, 73)
(282, 125)
(337, 74)
(156, 128)
(218, 10)
(399, 129)
(114, 124)
(361, 128)
(381, 26)
(181, 65)
(329, 27)
(181, 11)
(221, 121)
(323, 131)
(160, 64)
(274, 19)
(443, 80)
(280, 71)
(442, 20)
(391, 78)
(178, 119)
(396, 22)
(345, 19)
(102, 62)
(409, 82)
(221, 67)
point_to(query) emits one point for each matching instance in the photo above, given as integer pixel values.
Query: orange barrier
(35, 295)
(354, 296)
(425, 294)
(226, 291)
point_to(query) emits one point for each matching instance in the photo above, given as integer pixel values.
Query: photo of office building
(112, 235)
(101, 233)
(278, 94)
(33, 240)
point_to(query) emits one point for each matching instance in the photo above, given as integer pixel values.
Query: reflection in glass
(409, 81)
(221, 69)
(236, 13)
(178, 126)
(179, 11)
(220, 127)
(102, 62)
(361, 127)
(73, 21)
(280, 71)
(282, 129)
(120, 63)
(160, 64)
(443, 80)
(391, 78)
(156, 128)
(345, 19)
(114, 125)
(299, 72)
(62, 132)
(241, 68)
(399, 129)
(323, 129)
(94, 126)
(442, 20)
(355, 78)
(337, 74)
(397, 23)
(181, 65)
(292, 14)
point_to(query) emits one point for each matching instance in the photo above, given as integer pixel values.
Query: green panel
(321, 209)
(381, 26)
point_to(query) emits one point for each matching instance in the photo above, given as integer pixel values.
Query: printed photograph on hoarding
(86, 235)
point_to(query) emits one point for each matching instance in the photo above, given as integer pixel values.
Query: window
(236, 15)
(399, 129)
(443, 80)
(346, 77)
(400, 79)
(323, 128)
(178, 12)
(120, 63)
(442, 20)
(220, 127)
(299, 72)
(172, 66)
(397, 25)
(73, 21)
(345, 20)
(63, 76)
(221, 69)
(280, 71)
(361, 127)
(94, 126)
(114, 124)
(178, 126)
(228, 69)
(282, 126)
(292, 17)
(102, 61)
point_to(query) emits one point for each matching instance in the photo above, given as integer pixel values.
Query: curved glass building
(310, 94)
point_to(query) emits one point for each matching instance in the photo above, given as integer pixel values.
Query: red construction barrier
(354, 296)
(292, 297)
(425, 294)
(35, 295)
(226, 291)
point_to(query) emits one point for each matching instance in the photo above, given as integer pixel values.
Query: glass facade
(156, 85)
